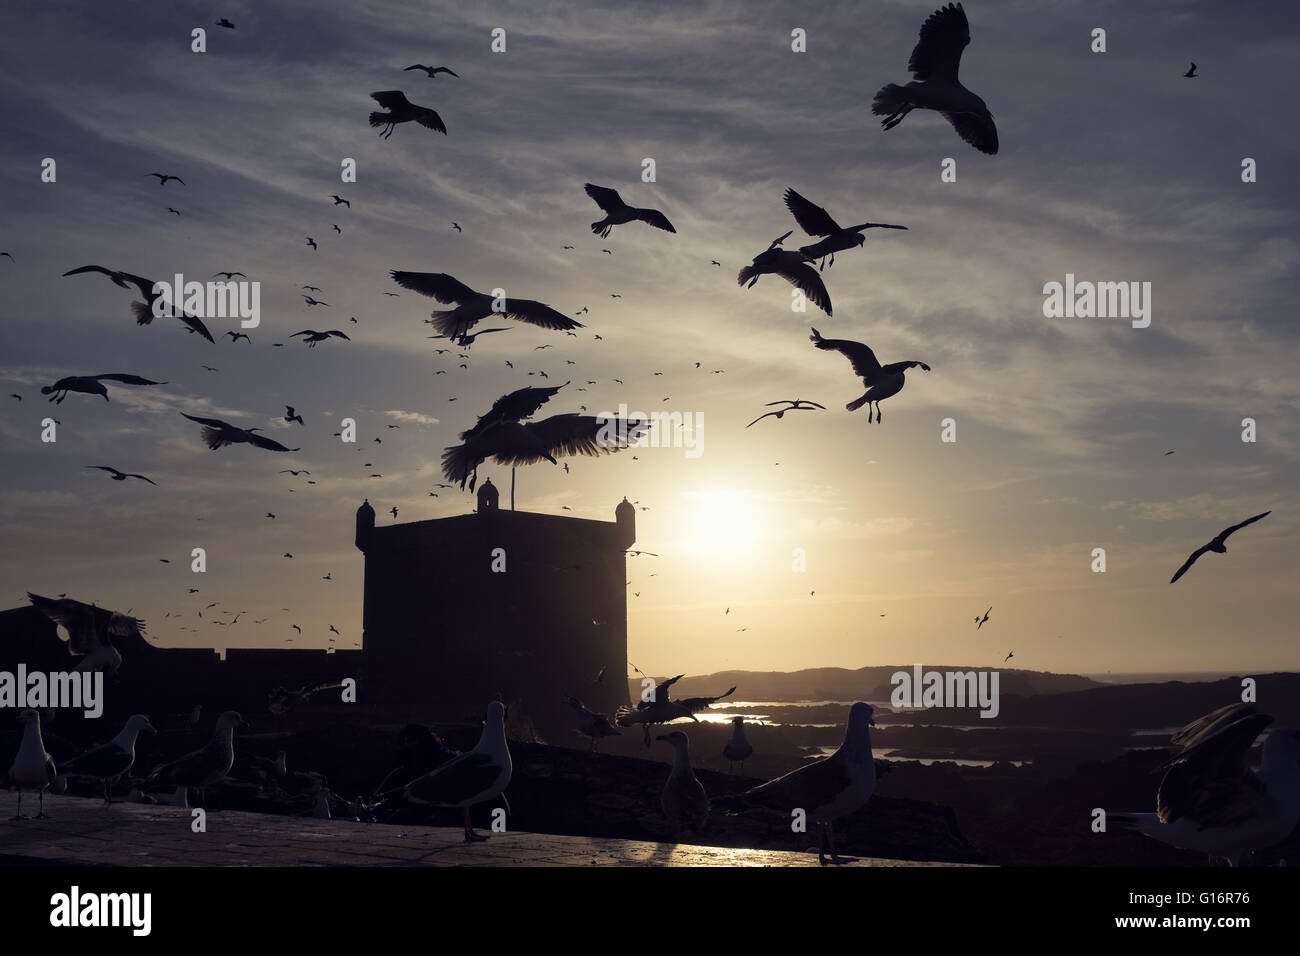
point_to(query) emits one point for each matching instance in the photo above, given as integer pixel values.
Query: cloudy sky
(1112, 167)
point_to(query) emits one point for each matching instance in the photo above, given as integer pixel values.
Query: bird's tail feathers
(747, 273)
(857, 403)
(458, 463)
(447, 323)
(891, 99)
(143, 314)
(379, 119)
(596, 227)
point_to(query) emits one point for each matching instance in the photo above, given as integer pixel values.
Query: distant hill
(840, 683)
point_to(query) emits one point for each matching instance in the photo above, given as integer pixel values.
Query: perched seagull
(111, 761)
(431, 71)
(33, 768)
(826, 789)
(218, 434)
(474, 777)
(289, 416)
(90, 630)
(1209, 801)
(882, 381)
(313, 336)
(526, 443)
(737, 749)
(1191, 74)
(934, 64)
(402, 110)
(618, 212)
(340, 200)
(143, 311)
(816, 221)
(121, 475)
(1218, 545)
(979, 621)
(790, 266)
(795, 405)
(162, 178)
(684, 801)
(472, 307)
(202, 768)
(91, 385)
(591, 724)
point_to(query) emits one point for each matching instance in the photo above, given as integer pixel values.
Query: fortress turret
(365, 525)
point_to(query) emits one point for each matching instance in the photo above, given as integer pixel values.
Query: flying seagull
(979, 621)
(91, 385)
(882, 381)
(223, 22)
(313, 336)
(795, 405)
(163, 177)
(339, 199)
(121, 475)
(311, 301)
(143, 311)
(402, 110)
(790, 266)
(431, 71)
(816, 221)
(934, 64)
(684, 802)
(312, 242)
(218, 434)
(1191, 74)
(825, 789)
(229, 275)
(1211, 802)
(662, 708)
(472, 307)
(618, 212)
(90, 630)
(108, 762)
(290, 416)
(591, 724)
(515, 407)
(1218, 545)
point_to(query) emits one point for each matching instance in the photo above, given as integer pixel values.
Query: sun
(722, 524)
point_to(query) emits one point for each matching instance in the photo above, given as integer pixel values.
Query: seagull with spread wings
(1211, 802)
(90, 630)
(882, 381)
(816, 221)
(431, 71)
(218, 434)
(402, 110)
(618, 212)
(91, 385)
(144, 311)
(121, 475)
(313, 336)
(934, 64)
(473, 307)
(793, 268)
(1218, 545)
(794, 405)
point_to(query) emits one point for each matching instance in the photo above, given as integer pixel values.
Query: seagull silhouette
(617, 212)
(218, 434)
(472, 307)
(163, 177)
(790, 266)
(934, 65)
(340, 200)
(796, 405)
(979, 622)
(881, 381)
(289, 416)
(121, 475)
(91, 385)
(402, 110)
(1218, 545)
(144, 311)
(313, 336)
(1191, 74)
(431, 71)
(816, 221)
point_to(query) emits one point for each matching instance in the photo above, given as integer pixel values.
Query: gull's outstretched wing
(944, 35)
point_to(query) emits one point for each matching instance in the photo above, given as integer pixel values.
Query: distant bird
(218, 434)
(176, 211)
(662, 708)
(979, 621)
(934, 64)
(90, 630)
(431, 71)
(33, 768)
(1218, 545)
(516, 443)
(737, 749)
(1211, 802)
(402, 110)
(121, 475)
(1191, 74)
(340, 232)
(290, 471)
(144, 311)
(163, 177)
(824, 789)
(202, 768)
(236, 336)
(472, 778)
(111, 761)
(790, 266)
(223, 22)
(313, 336)
(339, 200)
(311, 301)
(795, 405)
(591, 724)
(881, 381)
(816, 221)
(229, 275)
(270, 515)
(1010, 654)
(394, 511)
(312, 242)
(289, 416)
(91, 385)
(618, 212)
(473, 307)
(456, 226)
(10, 255)
(716, 263)
(684, 802)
